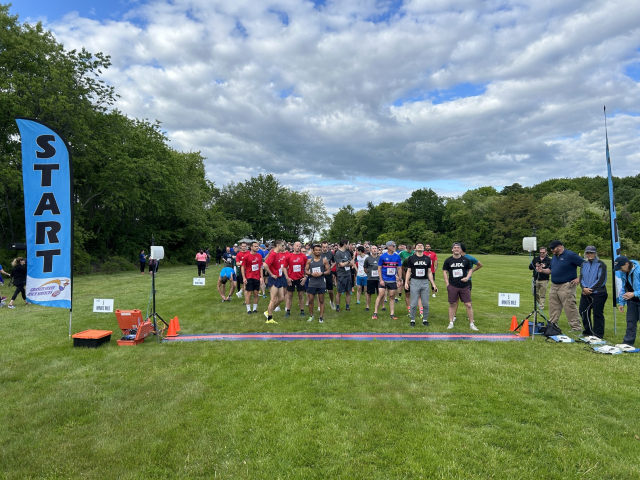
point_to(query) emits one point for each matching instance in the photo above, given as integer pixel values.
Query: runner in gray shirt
(371, 267)
(344, 263)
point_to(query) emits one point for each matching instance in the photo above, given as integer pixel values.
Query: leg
(570, 307)
(599, 302)
(586, 302)
(414, 300)
(633, 313)
(555, 305)
(452, 311)
(273, 303)
(321, 304)
(311, 304)
(469, 311)
(289, 300)
(423, 299)
(379, 299)
(392, 300)
(541, 291)
(301, 300)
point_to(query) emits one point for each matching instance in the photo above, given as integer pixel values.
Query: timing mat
(487, 337)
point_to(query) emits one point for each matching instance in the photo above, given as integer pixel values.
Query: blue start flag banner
(615, 238)
(46, 176)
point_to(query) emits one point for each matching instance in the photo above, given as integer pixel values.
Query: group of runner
(315, 270)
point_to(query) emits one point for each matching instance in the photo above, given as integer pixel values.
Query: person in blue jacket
(628, 280)
(593, 281)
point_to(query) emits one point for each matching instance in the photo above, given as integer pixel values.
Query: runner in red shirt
(252, 274)
(296, 262)
(276, 264)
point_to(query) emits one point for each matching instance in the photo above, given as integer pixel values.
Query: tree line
(575, 211)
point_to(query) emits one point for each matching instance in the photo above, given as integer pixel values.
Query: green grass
(308, 409)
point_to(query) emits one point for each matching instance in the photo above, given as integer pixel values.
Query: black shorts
(390, 285)
(316, 290)
(253, 285)
(345, 284)
(329, 280)
(372, 286)
(296, 283)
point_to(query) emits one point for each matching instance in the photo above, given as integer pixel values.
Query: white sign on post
(508, 299)
(198, 281)
(103, 305)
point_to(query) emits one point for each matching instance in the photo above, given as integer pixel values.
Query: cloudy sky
(368, 100)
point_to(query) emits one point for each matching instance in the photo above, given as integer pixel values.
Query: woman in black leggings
(19, 275)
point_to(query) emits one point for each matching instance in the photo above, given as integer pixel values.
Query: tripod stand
(155, 315)
(536, 308)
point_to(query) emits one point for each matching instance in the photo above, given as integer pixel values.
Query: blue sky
(368, 100)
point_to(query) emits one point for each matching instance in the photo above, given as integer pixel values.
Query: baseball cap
(262, 245)
(391, 243)
(456, 244)
(620, 261)
(590, 249)
(554, 244)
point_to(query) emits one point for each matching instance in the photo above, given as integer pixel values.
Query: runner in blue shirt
(226, 274)
(390, 273)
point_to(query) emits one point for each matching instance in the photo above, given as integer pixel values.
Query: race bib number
(374, 273)
(280, 272)
(420, 272)
(457, 273)
(297, 268)
(347, 268)
(315, 270)
(254, 268)
(391, 271)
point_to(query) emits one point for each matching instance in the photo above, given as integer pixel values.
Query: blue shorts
(279, 282)
(361, 281)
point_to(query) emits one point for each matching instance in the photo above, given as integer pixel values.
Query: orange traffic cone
(177, 323)
(514, 324)
(524, 330)
(172, 329)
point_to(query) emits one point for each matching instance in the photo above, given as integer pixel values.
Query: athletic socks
(248, 307)
(255, 306)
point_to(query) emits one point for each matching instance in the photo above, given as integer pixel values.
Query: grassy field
(309, 409)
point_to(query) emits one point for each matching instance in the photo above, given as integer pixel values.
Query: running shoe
(302, 314)
(337, 309)
(255, 311)
(286, 314)
(450, 326)
(425, 323)
(310, 319)
(473, 327)
(271, 321)
(366, 309)
(434, 295)
(347, 308)
(374, 317)
(277, 309)
(266, 314)
(249, 312)
(321, 320)
(393, 317)
(412, 324)
(10, 306)
(454, 318)
(384, 309)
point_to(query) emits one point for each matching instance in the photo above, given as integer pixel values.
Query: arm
(477, 267)
(244, 274)
(380, 274)
(445, 273)
(433, 282)
(327, 267)
(307, 270)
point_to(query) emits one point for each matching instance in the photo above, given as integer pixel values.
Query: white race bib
(280, 272)
(391, 271)
(374, 273)
(315, 270)
(255, 267)
(347, 268)
(297, 268)
(420, 272)
(457, 273)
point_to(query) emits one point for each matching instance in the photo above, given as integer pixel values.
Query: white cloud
(308, 93)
